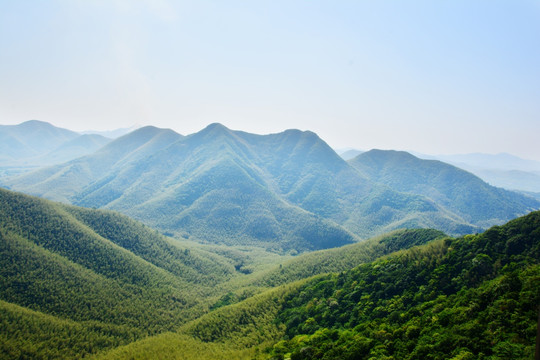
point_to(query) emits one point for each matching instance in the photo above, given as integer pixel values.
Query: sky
(437, 77)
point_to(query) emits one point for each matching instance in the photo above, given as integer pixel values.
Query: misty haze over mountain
(225, 186)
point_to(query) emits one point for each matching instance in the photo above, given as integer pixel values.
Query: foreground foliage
(474, 297)
(78, 282)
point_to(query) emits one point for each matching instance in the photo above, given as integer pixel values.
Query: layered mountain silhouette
(501, 170)
(38, 143)
(287, 191)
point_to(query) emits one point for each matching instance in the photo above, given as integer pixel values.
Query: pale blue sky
(431, 76)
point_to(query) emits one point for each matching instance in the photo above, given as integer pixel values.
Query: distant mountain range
(349, 154)
(503, 170)
(37, 143)
(113, 134)
(502, 161)
(287, 192)
(457, 190)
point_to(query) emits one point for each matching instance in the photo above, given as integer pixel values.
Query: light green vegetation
(473, 297)
(78, 282)
(331, 260)
(28, 334)
(100, 268)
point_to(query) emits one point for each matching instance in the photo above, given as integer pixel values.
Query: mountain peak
(216, 126)
(389, 154)
(299, 132)
(38, 125)
(213, 131)
(146, 129)
(35, 123)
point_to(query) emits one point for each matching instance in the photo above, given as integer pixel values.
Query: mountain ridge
(457, 189)
(226, 186)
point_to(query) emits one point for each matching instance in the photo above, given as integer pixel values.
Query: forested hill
(473, 297)
(288, 192)
(78, 280)
(458, 190)
(346, 257)
(62, 182)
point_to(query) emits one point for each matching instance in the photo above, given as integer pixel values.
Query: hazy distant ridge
(38, 143)
(456, 189)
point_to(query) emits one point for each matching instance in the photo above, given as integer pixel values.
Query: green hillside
(322, 262)
(95, 278)
(474, 297)
(457, 190)
(345, 257)
(28, 334)
(233, 332)
(287, 192)
(78, 282)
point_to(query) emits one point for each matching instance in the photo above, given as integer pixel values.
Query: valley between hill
(78, 282)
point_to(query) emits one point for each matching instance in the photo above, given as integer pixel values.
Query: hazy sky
(431, 76)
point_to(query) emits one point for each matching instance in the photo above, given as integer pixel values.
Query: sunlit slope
(324, 261)
(346, 257)
(244, 330)
(238, 331)
(470, 297)
(101, 267)
(29, 334)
